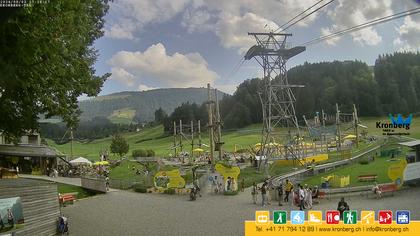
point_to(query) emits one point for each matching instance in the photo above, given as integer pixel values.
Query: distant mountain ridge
(124, 107)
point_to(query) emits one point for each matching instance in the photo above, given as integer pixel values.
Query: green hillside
(125, 107)
(154, 138)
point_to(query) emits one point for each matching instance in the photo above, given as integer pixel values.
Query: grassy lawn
(122, 116)
(154, 138)
(379, 167)
(251, 174)
(82, 193)
(125, 171)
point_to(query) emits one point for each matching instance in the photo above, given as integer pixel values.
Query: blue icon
(297, 217)
(403, 217)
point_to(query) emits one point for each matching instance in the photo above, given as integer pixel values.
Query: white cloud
(197, 20)
(163, 70)
(227, 88)
(233, 30)
(143, 87)
(232, 20)
(350, 13)
(121, 75)
(117, 31)
(409, 35)
(133, 15)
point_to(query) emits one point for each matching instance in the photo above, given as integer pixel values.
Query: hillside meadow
(154, 138)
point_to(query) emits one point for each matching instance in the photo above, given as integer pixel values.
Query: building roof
(414, 143)
(28, 151)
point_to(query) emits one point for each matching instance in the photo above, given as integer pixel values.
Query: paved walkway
(63, 180)
(129, 213)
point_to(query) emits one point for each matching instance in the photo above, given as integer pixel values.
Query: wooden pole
(175, 144)
(219, 126)
(210, 125)
(199, 134)
(180, 139)
(71, 143)
(192, 141)
(356, 121)
(337, 120)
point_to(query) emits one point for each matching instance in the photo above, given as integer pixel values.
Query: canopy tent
(80, 161)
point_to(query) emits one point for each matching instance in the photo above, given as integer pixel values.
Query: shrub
(139, 153)
(150, 153)
(143, 153)
(169, 191)
(364, 162)
(140, 188)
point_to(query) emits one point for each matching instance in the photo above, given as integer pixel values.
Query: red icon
(385, 217)
(332, 217)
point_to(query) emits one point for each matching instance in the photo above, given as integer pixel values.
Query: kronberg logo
(397, 125)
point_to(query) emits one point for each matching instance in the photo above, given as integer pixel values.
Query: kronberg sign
(397, 125)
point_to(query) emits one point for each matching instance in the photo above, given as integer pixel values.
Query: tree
(46, 62)
(160, 116)
(119, 145)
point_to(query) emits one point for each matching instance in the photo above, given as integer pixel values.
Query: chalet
(29, 155)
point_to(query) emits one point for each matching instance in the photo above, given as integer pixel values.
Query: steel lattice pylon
(276, 95)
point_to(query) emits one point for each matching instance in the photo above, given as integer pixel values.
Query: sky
(151, 44)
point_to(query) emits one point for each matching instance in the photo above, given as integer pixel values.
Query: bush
(150, 153)
(140, 188)
(364, 162)
(139, 153)
(169, 191)
(143, 153)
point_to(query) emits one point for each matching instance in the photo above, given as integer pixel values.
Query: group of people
(265, 189)
(10, 220)
(302, 196)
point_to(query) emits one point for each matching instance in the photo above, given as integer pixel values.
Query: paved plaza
(129, 213)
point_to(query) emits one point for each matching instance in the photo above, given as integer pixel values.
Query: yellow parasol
(198, 150)
(103, 163)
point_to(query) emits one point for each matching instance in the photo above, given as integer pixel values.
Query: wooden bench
(371, 177)
(388, 188)
(321, 195)
(66, 198)
(385, 188)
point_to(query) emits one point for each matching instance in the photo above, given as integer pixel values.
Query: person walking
(301, 197)
(10, 218)
(280, 193)
(342, 206)
(270, 188)
(107, 183)
(308, 198)
(1, 223)
(263, 193)
(289, 188)
(243, 185)
(254, 192)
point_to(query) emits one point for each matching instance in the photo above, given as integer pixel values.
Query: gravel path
(129, 213)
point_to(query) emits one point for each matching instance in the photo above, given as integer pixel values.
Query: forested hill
(392, 85)
(140, 106)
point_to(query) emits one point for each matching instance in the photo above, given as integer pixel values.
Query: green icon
(350, 217)
(279, 217)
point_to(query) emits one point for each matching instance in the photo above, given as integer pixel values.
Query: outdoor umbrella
(198, 150)
(103, 163)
